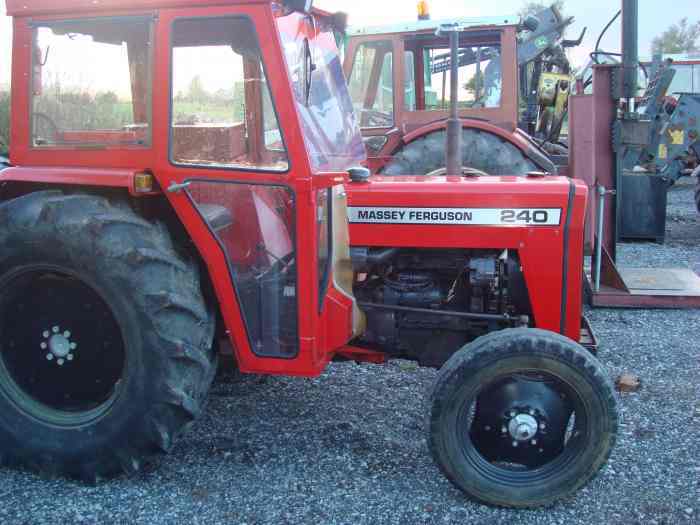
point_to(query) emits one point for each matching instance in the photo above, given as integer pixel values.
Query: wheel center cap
(59, 345)
(522, 427)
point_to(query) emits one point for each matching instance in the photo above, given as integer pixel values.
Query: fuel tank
(539, 217)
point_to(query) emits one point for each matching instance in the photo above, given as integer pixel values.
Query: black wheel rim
(500, 469)
(62, 354)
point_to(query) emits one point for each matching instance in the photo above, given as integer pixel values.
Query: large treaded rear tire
(481, 150)
(509, 351)
(155, 298)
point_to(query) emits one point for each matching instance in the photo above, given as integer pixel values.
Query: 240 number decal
(525, 216)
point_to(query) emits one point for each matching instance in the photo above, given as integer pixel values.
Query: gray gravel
(349, 447)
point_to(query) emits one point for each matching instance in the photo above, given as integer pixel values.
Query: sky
(655, 17)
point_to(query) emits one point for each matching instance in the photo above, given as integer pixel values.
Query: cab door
(238, 177)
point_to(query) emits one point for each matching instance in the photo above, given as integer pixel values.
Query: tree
(4, 121)
(679, 38)
(196, 92)
(532, 8)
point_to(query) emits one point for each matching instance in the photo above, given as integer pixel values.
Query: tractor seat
(217, 217)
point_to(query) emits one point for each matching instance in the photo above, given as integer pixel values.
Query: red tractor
(178, 188)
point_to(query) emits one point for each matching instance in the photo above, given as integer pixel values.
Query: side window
(479, 77)
(682, 80)
(372, 84)
(91, 83)
(409, 81)
(222, 109)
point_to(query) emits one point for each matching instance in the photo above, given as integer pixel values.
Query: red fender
(95, 177)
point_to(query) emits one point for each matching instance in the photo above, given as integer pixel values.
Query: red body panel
(553, 287)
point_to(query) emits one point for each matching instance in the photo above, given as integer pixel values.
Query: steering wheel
(41, 124)
(378, 119)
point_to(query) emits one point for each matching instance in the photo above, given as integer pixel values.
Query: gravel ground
(349, 447)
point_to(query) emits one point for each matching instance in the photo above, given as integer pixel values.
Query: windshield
(328, 123)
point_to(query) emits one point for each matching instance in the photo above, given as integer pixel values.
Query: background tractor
(513, 87)
(207, 212)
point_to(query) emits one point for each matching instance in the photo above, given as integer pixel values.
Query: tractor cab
(512, 75)
(399, 76)
(240, 115)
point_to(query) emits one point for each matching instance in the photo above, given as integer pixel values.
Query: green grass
(4, 121)
(206, 112)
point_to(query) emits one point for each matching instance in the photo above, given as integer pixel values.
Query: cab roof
(79, 7)
(430, 26)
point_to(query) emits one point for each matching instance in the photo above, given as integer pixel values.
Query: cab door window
(223, 117)
(222, 110)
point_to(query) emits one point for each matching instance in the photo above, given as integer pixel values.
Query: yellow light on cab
(423, 10)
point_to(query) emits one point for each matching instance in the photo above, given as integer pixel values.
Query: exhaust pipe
(453, 152)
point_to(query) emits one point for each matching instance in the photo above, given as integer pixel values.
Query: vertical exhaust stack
(453, 153)
(630, 50)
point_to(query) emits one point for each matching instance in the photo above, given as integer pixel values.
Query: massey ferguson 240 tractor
(180, 176)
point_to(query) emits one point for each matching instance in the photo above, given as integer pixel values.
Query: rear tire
(110, 356)
(502, 358)
(481, 150)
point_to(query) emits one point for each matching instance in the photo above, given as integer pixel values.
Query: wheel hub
(520, 420)
(44, 368)
(59, 345)
(523, 427)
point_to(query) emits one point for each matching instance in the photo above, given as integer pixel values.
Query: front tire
(522, 418)
(105, 340)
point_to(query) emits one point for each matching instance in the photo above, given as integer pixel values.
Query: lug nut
(49, 357)
(515, 444)
(487, 428)
(533, 442)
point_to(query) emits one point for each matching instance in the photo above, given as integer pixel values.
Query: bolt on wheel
(62, 355)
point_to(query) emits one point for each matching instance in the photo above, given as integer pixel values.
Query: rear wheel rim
(62, 354)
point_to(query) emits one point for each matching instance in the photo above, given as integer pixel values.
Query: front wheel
(522, 418)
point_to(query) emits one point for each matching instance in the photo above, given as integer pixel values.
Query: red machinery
(179, 179)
